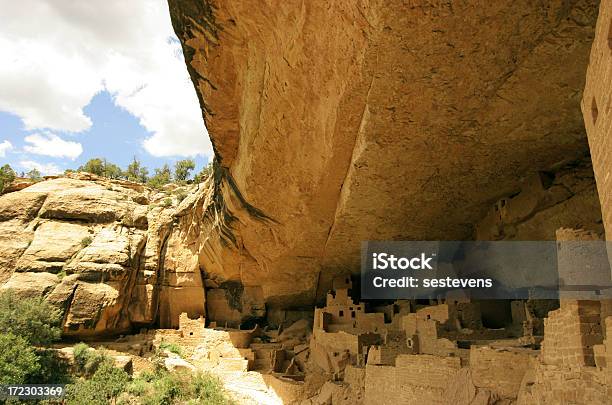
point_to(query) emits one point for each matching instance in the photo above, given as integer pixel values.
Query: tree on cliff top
(205, 173)
(100, 167)
(183, 168)
(161, 177)
(34, 174)
(137, 172)
(7, 175)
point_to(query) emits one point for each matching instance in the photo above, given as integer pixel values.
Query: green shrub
(171, 347)
(165, 390)
(86, 241)
(208, 389)
(161, 177)
(80, 353)
(88, 361)
(54, 369)
(18, 360)
(138, 387)
(106, 384)
(33, 319)
(167, 203)
(204, 174)
(181, 195)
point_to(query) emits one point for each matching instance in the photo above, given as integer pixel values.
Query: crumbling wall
(415, 379)
(570, 333)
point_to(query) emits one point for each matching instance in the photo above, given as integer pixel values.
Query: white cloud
(46, 169)
(48, 144)
(5, 146)
(57, 54)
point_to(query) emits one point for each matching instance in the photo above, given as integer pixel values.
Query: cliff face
(338, 122)
(105, 251)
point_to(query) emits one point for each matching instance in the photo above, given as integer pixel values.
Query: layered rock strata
(110, 253)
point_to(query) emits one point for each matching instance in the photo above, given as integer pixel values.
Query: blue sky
(96, 78)
(115, 134)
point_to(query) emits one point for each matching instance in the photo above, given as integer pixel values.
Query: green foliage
(34, 175)
(137, 387)
(33, 319)
(86, 241)
(164, 388)
(112, 171)
(208, 389)
(171, 347)
(100, 167)
(18, 360)
(204, 174)
(88, 361)
(167, 203)
(80, 352)
(136, 172)
(181, 195)
(105, 385)
(183, 168)
(7, 175)
(53, 368)
(93, 166)
(161, 177)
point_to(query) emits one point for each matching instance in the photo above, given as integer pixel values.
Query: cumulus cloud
(5, 146)
(46, 169)
(48, 144)
(57, 54)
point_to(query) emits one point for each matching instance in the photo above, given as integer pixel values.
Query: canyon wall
(112, 254)
(335, 122)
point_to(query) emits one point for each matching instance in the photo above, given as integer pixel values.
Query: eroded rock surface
(104, 250)
(338, 122)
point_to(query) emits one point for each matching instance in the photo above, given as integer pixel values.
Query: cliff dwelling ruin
(333, 123)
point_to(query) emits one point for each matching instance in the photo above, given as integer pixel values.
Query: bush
(181, 195)
(87, 361)
(86, 241)
(208, 389)
(81, 354)
(171, 347)
(204, 174)
(33, 319)
(164, 388)
(106, 384)
(161, 177)
(167, 203)
(18, 360)
(53, 368)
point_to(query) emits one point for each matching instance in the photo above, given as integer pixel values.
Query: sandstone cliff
(104, 250)
(338, 122)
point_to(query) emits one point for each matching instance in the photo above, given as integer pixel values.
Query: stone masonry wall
(596, 101)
